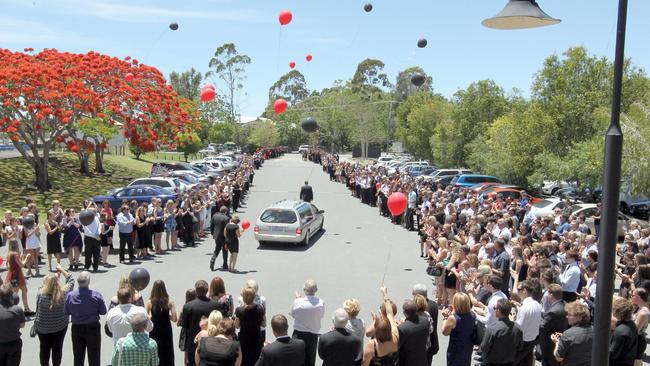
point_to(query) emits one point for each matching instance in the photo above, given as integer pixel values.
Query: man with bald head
(307, 312)
(338, 347)
(413, 336)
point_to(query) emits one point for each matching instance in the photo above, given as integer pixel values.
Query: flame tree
(53, 97)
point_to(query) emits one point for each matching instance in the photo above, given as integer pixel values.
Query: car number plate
(277, 228)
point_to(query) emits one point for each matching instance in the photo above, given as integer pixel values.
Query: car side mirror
(321, 211)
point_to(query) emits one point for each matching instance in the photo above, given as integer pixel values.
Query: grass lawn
(69, 186)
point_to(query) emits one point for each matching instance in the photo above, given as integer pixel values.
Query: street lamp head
(520, 14)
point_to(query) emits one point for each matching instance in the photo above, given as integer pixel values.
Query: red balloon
(309, 57)
(1, 260)
(378, 186)
(292, 64)
(285, 17)
(129, 77)
(397, 203)
(209, 86)
(207, 94)
(245, 224)
(280, 106)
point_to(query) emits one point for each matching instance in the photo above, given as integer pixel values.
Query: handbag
(477, 333)
(434, 271)
(34, 329)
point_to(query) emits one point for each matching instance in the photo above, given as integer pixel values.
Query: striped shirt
(52, 320)
(136, 349)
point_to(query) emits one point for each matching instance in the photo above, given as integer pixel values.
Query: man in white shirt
(570, 277)
(307, 312)
(486, 314)
(92, 242)
(529, 318)
(118, 319)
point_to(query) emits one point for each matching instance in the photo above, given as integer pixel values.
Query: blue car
(140, 193)
(468, 180)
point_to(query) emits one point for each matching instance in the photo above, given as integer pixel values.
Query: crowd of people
(516, 285)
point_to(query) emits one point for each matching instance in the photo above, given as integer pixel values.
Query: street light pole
(610, 203)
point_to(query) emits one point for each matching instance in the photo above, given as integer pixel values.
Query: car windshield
(543, 203)
(278, 216)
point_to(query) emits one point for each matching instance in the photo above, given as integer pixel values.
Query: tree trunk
(99, 159)
(42, 176)
(83, 163)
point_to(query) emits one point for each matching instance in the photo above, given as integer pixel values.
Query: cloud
(131, 13)
(29, 33)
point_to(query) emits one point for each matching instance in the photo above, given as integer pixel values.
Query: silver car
(289, 222)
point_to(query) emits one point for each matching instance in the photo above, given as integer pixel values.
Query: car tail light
(256, 229)
(298, 232)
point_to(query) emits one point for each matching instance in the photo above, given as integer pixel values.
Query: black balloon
(139, 278)
(173, 26)
(367, 7)
(28, 221)
(87, 216)
(422, 42)
(309, 124)
(418, 79)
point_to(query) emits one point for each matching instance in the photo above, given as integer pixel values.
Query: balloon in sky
(367, 7)
(292, 64)
(309, 124)
(207, 94)
(280, 106)
(173, 26)
(422, 42)
(129, 77)
(285, 17)
(245, 224)
(418, 79)
(397, 203)
(309, 57)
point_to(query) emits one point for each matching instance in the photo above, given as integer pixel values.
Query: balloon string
(390, 249)
(277, 63)
(162, 34)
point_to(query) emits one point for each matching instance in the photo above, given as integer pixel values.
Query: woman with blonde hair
(355, 325)
(442, 260)
(459, 325)
(51, 322)
(136, 298)
(382, 349)
(248, 319)
(213, 321)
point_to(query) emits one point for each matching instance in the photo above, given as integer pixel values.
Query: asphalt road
(349, 259)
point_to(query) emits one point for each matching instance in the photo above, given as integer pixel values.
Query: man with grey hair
(307, 312)
(136, 349)
(432, 309)
(338, 346)
(84, 307)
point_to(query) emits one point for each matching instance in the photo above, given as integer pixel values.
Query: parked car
(443, 181)
(547, 206)
(303, 148)
(468, 180)
(209, 169)
(171, 183)
(416, 171)
(640, 209)
(140, 193)
(589, 210)
(383, 160)
(289, 222)
(446, 172)
(513, 192)
(550, 186)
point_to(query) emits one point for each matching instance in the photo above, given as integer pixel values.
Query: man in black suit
(432, 309)
(553, 321)
(502, 339)
(192, 313)
(217, 224)
(306, 193)
(338, 347)
(285, 351)
(413, 336)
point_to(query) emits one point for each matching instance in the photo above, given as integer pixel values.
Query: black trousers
(126, 240)
(91, 252)
(408, 219)
(311, 343)
(52, 343)
(11, 352)
(86, 338)
(219, 246)
(524, 356)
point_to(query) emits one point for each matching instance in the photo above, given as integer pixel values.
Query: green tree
(99, 131)
(415, 121)
(187, 84)
(222, 132)
(369, 77)
(136, 151)
(290, 87)
(264, 133)
(229, 66)
(188, 143)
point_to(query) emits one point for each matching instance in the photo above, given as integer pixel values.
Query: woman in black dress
(187, 218)
(144, 234)
(232, 234)
(236, 195)
(162, 312)
(53, 239)
(249, 318)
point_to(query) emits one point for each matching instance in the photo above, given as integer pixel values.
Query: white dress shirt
(93, 230)
(307, 313)
(118, 320)
(491, 317)
(570, 278)
(529, 317)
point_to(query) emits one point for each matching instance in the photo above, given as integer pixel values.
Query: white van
(303, 148)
